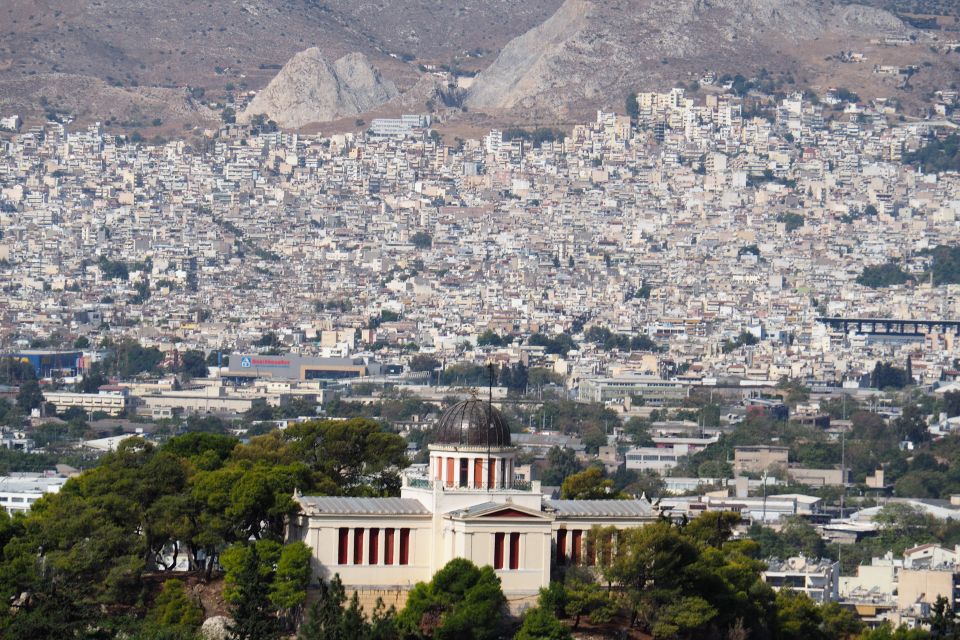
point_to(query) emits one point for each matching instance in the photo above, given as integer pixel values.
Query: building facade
(469, 504)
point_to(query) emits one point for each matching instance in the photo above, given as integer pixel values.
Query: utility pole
(843, 471)
(763, 479)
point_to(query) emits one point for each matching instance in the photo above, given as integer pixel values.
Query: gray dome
(472, 422)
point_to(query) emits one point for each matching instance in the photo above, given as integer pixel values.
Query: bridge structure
(892, 326)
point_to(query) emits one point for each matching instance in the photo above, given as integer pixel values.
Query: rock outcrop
(309, 89)
(216, 628)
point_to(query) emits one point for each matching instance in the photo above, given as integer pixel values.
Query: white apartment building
(819, 579)
(18, 491)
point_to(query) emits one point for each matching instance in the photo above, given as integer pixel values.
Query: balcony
(422, 482)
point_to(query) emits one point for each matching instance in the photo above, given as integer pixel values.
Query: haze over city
(557, 319)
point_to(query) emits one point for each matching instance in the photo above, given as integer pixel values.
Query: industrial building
(46, 363)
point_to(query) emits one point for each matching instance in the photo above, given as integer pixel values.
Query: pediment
(499, 512)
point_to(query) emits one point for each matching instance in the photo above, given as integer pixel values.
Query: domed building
(465, 504)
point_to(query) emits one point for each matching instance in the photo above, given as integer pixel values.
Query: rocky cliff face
(309, 89)
(592, 48)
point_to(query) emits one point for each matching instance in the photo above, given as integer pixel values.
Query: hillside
(590, 53)
(163, 67)
(116, 48)
(309, 89)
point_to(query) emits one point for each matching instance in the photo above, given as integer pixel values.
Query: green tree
(421, 240)
(632, 106)
(798, 617)
(588, 485)
(193, 363)
(561, 463)
(289, 589)
(247, 583)
(29, 396)
(461, 602)
(886, 632)
(174, 611)
(329, 620)
(883, 275)
(585, 598)
(839, 622)
(489, 338)
(911, 424)
(542, 624)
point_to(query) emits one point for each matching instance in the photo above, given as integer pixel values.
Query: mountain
(309, 89)
(132, 64)
(122, 52)
(591, 52)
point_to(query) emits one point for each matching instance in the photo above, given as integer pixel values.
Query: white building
(468, 505)
(819, 579)
(18, 491)
(402, 126)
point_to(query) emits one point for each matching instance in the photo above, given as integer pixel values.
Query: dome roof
(472, 422)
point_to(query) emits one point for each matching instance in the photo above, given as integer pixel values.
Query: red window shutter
(478, 473)
(404, 546)
(491, 473)
(343, 546)
(449, 472)
(577, 544)
(562, 546)
(358, 545)
(388, 543)
(374, 546)
(498, 551)
(514, 550)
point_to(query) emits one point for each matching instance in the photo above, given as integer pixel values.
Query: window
(498, 551)
(343, 545)
(404, 546)
(577, 546)
(358, 545)
(388, 543)
(514, 550)
(464, 471)
(374, 546)
(562, 546)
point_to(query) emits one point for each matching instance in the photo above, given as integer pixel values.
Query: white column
(545, 559)
(471, 472)
(351, 539)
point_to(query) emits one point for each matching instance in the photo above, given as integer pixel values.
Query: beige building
(924, 586)
(468, 504)
(110, 403)
(818, 477)
(759, 458)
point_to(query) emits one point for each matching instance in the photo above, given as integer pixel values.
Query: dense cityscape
(685, 371)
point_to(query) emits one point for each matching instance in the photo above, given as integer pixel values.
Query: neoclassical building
(467, 505)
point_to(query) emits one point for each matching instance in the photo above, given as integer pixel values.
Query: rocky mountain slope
(119, 47)
(592, 50)
(180, 62)
(309, 89)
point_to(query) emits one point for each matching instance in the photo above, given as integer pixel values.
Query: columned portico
(466, 503)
